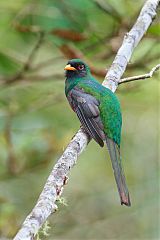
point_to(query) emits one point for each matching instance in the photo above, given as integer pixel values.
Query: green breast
(110, 110)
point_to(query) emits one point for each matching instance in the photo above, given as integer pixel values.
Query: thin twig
(45, 63)
(53, 188)
(140, 77)
(28, 62)
(38, 78)
(109, 9)
(11, 158)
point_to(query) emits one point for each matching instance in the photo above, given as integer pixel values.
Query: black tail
(114, 152)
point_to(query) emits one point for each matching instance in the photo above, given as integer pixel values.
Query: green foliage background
(36, 122)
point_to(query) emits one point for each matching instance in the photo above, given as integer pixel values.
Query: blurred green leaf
(7, 65)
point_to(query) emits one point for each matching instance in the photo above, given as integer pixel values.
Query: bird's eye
(80, 67)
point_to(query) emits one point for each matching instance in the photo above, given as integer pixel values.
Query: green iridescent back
(110, 110)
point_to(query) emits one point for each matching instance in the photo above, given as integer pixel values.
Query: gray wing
(87, 109)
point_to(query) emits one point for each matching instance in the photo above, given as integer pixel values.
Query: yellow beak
(69, 67)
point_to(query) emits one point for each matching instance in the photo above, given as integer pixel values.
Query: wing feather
(86, 108)
(90, 126)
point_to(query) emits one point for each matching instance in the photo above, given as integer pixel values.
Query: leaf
(154, 30)
(7, 65)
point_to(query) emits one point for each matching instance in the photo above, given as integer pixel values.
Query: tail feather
(114, 152)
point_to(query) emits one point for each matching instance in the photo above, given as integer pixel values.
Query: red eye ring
(80, 67)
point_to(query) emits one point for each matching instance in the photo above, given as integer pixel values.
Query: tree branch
(140, 77)
(28, 62)
(130, 41)
(57, 179)
(108, 9)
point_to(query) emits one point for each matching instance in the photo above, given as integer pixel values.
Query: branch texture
(57, 179)
(130, 41)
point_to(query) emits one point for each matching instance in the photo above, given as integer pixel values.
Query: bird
(99, 112)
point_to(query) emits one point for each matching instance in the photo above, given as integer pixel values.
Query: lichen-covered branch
(53, 188)
(46, 203)
(130, 41)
